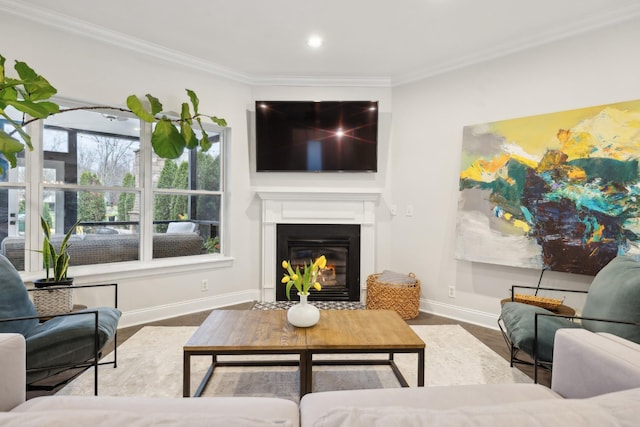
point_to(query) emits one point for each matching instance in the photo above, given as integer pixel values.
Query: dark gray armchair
(61, 342)
(612, 305)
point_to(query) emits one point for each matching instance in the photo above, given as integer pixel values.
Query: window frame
(34, 187)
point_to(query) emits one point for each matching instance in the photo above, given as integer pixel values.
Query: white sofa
(596, 382)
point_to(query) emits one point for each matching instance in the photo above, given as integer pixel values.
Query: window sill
(137, 269)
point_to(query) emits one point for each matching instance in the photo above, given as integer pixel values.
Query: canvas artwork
(556, 191)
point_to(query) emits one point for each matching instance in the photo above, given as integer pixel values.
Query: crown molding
(580, 25)
(103, 35)
(333, 81)
(65, 23)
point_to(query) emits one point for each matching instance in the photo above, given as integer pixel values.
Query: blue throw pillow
(14, 300)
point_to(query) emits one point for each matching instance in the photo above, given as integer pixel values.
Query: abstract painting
(556, 191)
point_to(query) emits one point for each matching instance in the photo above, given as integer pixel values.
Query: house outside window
(96, 168)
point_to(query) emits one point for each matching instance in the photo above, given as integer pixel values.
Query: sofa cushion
(314, 405)
(519, 318)
(618, 409)
(615, 294)
(105, 418)
(271, 410)
(14, 300)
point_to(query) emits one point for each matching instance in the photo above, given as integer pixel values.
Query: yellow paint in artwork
(597, 234)
(521, 225)
(576, 174)
(486, 170)
(536, 134)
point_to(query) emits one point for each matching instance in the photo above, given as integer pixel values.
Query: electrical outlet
(409, 211)
(394, 210)
(204, 286)
(452, 291)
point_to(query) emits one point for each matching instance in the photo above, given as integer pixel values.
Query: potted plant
(55, 259)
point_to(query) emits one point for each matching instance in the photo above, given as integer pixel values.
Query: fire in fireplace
(339, 243)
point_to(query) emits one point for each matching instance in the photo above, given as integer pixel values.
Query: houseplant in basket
(303, 314)
(55, 259)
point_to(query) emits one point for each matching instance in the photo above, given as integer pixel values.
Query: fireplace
(316, 207)
(339, 243)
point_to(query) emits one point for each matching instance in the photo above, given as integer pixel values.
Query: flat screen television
(308, 136)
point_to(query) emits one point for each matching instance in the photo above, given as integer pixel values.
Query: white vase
(303, 314)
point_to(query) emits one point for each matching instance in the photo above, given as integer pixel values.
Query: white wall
(419, 155)
(88, 70)
(428, 117)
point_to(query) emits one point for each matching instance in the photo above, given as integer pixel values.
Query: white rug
(150, 364)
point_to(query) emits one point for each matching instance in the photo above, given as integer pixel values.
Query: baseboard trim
(476, 317)
(152, 314)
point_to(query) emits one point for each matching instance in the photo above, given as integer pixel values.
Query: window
(97, 168)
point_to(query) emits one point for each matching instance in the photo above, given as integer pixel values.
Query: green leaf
(190, 138)
(18, 128)
(194, 101)
(288, 289)
(9, 147)
(39, 110)
(2, 60)
(156, 105)
(24, 71)
(37, 87)
(166, 140)
(9, 93)
(135, 105)
(205, 144)
(185, 114)
(220, 122)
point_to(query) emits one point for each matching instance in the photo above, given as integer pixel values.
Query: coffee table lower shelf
(305, 364)
(215, 363)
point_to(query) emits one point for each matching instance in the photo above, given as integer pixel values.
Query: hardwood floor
(490, 337)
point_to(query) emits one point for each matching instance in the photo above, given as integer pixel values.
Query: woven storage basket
(53, 301)
(404, 298)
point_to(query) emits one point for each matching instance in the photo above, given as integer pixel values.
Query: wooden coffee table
(243, 332)
(363, 331)
(250, 332)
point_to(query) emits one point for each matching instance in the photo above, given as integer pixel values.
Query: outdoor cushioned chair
(612, 305)
(71, 340)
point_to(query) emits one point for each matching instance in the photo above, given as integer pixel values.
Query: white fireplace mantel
(316, 206)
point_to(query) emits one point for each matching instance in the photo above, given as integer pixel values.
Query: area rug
(150, 364)
(322, 305)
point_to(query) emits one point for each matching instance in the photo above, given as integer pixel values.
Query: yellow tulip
(285, 264)
(320, 263)
(285, 279)
(294, 277)
(317, 286)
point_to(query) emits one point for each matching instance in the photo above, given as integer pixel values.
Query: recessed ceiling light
(314, 41)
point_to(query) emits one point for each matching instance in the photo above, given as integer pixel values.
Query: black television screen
(307, 136)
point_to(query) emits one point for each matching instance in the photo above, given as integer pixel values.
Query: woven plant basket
(53, 301)
(401, 297)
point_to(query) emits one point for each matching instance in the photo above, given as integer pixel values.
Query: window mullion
(145, 169)
(33, 197)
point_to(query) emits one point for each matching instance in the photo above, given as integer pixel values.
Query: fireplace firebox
(339, 243)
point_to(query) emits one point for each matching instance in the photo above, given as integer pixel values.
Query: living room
(419, 152)
(411, 201)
